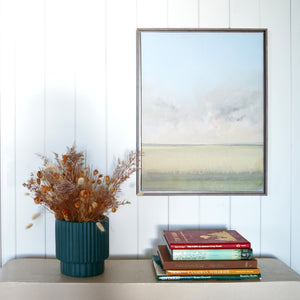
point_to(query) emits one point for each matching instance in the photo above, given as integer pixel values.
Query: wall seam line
(198, 14)
(1, 261)
(45, 118)
(137, 197)
(106, 92)
(15, 143)
(291, 133)
(229, 14)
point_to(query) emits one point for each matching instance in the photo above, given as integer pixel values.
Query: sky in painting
(202, 87)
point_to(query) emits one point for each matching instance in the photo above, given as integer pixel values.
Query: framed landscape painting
(202, 111)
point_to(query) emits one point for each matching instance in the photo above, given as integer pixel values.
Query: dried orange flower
(77, 204)
(113, 209)
(45, 188)
(86, 193)
(39, 174)
(95, 172)
(65, 212)
(112, 188)
(55, 175)
(99, 181)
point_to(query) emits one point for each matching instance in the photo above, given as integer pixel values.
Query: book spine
(211, 246)
(208, 264)
(211, 254)
(214, 272)
(209, 277)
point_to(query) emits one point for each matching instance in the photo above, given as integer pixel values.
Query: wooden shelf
(135, 279)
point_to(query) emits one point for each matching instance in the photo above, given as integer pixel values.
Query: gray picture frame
(239, 166)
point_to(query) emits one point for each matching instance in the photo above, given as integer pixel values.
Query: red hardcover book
(169, 264)
(205, 239)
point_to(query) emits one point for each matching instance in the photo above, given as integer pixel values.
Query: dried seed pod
(35, 216)
(100, 226)
(95, 205)
(80, 181)
(29, 226)
(37, 200)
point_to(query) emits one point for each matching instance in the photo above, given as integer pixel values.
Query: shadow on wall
(159, 239)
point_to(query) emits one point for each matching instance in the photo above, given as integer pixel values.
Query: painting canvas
(201, 111)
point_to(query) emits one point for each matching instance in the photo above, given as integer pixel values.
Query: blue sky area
(202, 87)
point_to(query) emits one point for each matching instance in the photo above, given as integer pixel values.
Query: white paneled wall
(68, 73)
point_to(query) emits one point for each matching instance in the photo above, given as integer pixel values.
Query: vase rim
(104, 219)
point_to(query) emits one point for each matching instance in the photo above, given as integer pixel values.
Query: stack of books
(205, 255)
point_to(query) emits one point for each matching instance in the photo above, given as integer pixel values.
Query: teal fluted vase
(81, 247)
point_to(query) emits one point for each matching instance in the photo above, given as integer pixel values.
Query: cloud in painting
(224, 115)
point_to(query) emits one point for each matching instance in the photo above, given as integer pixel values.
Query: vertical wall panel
(90, 76)
(152, 220)
(245, 14)
(214, 13)
(276, 207)
(152, 13)
(183, 13)
(295, 63)
(245, 210)
(29, 119)
(183, 211)
(152, 211)
(121, 115)
(8, 167)
(245, 218)
(214, 210)
(60, 75)
(60, 85)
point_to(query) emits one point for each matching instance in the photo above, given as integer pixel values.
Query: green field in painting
(202, 168)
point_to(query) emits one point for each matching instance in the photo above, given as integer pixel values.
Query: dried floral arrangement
(74, 191)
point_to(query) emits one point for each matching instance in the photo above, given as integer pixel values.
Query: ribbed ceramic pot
(81, 247)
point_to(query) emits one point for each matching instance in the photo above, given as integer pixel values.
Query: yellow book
(214, 272)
